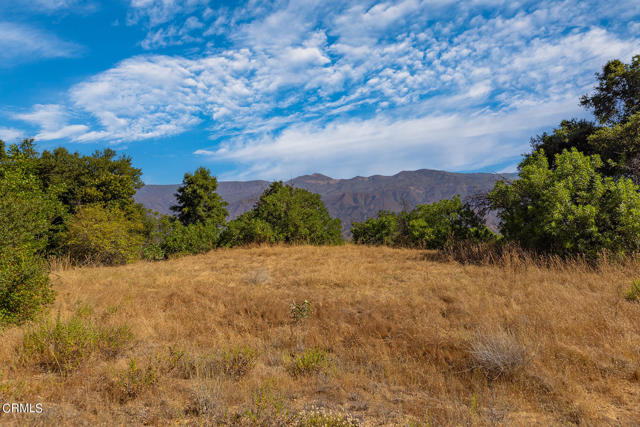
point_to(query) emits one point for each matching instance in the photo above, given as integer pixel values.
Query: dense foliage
(381, 230)
(190, 239)
(569, 209)
(617, 96)
(198, 201)
(430, 226)
(27, 215)
(284, 214)
(104, 235)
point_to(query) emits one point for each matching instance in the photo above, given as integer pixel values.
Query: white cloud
(21, 43)
(307, 84)
(155, 12)
(10, 134)
(52, 120)
(384, 145)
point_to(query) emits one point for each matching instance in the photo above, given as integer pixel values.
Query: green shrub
(190, 239)
(27, 216)
(440, 224)
(63, 346)
(247, 229)
(382, 230)
(429, 226)
(284, 214)
(312, 360)
(570, 209)
(634, 293)
(24, 286)
(104, 235)
(153, 252)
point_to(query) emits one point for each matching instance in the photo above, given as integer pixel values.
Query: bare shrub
(258, 277)
(498, 353)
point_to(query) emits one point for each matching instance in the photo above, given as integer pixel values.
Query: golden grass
(400, 336)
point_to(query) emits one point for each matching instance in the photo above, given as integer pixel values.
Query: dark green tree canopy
(284, 214)
(297, 215)
(100, 178)
(198, 201)
(619, 148)
(617, 96)
(571, 134)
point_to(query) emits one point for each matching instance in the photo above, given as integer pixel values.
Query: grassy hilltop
(388, 337)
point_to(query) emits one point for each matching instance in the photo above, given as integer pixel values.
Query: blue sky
(273, 90)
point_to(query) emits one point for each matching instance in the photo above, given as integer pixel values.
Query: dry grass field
(388, 337)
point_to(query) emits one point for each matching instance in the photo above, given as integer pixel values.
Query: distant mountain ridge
(354, 199)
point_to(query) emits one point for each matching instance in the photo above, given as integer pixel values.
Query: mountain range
(354, 199)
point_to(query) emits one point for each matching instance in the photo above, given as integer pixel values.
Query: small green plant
(268, 406)
(300, 311)
(153, 252)
(311, 361)
(131, 382)
(633, 294)
(320, 417)
(62, 346)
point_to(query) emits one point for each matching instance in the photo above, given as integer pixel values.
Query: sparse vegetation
(63, 346)
(395, 334)
(310, 361)
(129, 383)
(300, 311)
(498, 353)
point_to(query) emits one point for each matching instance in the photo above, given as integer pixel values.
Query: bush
(247, 229)
(24, 286)
(62, 346)
(235, 362)
(498, 354)
(440, 224)
(284, 214)
(568, 210)
(382, 230)
(190, 239)
(133, 381)
(429, 226)
(104, 235)
(312, 360)
(27, 216)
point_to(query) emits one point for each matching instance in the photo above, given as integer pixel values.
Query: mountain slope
(354, 199)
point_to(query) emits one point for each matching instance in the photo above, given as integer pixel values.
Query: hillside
(393, 337)
(354, 199)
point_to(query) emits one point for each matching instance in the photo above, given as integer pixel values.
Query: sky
(276, 89)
